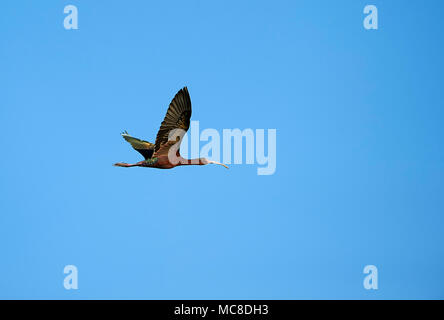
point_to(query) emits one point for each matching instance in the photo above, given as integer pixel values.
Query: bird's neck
(126, 165)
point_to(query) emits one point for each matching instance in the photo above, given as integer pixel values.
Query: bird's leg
(215, 162)
(199, 162)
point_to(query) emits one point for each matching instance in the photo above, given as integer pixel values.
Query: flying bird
(165, 152)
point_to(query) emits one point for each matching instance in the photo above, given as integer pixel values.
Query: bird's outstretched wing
(145, 148)
(177, 117)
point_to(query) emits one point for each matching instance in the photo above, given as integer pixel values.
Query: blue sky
(360, 163)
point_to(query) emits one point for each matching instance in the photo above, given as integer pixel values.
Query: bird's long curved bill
(215, 162)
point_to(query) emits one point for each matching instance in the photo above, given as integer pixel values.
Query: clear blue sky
(360, 161)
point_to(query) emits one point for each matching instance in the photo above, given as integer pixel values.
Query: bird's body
(164, 153)
(164, 163)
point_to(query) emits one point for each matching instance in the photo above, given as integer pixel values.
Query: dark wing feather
(145, 148)
(177, 117)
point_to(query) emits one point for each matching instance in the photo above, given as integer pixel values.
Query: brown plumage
(164, 153)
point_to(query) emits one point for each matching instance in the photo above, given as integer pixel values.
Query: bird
(165, 152)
